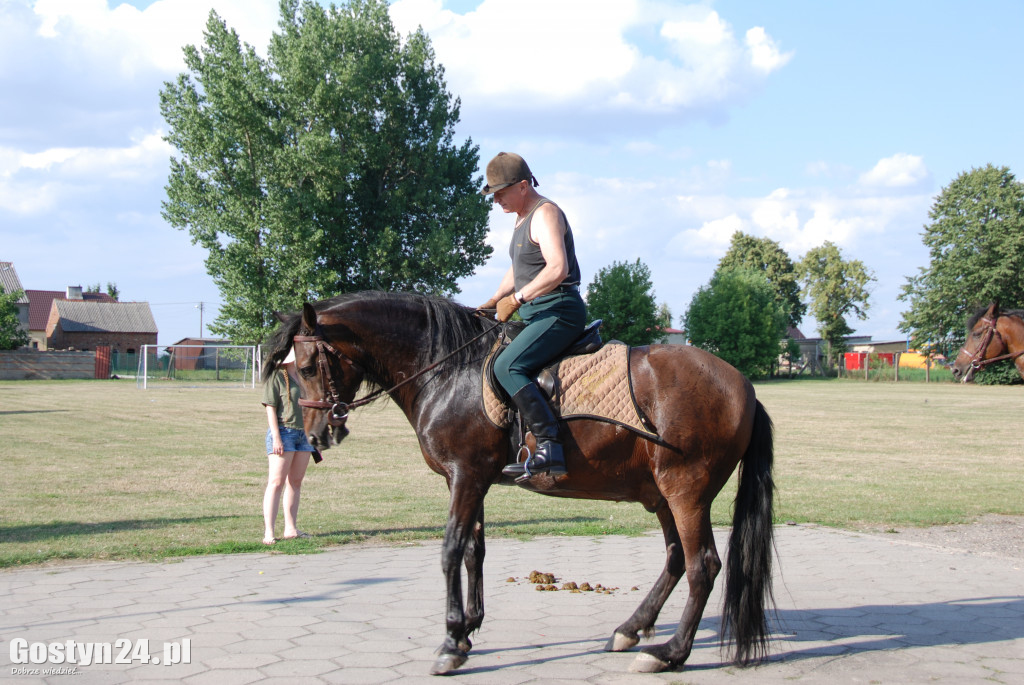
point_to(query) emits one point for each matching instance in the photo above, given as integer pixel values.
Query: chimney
(74, 292)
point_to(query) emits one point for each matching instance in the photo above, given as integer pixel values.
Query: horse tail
(748, 575)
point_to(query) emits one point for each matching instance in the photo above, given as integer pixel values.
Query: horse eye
(308, 372)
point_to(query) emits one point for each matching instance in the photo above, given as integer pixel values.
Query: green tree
(737, 318)
(622, 294)
(768, 257)
(976, 247)
(836, 288)
(328, 167)
(12, 335)
(111, 289)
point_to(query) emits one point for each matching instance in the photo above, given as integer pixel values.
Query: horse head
(983, 342)
(329, 380)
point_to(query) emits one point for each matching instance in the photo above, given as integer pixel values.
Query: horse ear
(993, 308)
(308, 316)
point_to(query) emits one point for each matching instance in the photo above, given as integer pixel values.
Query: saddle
(591, 380)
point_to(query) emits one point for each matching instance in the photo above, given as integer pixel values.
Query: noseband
(977, 363)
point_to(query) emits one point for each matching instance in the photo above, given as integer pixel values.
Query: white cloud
(33, 183)
(764, 53)
(899, 171)
(710, 240)
(131, 40)
(634, 55)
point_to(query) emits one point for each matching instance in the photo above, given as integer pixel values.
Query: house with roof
(85, 325)
(11, 283)
(40, 302)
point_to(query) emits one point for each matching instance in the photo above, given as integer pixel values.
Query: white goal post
(198, 366)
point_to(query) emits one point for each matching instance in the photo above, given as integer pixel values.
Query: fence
(893, 366)
(16, 365)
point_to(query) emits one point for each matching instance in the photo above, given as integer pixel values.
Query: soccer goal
(198, 366)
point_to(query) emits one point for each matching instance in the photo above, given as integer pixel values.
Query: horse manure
(510, 579)
(634, 588)
(585, 587)
(544, 578)
(551, 588)
(570, 586)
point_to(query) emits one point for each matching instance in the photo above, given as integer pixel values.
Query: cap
(507, 168)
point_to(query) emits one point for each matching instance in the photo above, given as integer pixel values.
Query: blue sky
(660, 127)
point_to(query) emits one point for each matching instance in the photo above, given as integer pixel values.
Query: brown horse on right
(993, 336)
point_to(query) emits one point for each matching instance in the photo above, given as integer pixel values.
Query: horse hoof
(646, 663)
(620, 643)
(446, 663)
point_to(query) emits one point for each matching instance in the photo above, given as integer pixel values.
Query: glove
(486, 310)
(507, 307)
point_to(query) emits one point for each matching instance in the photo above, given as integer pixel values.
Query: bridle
(977, 363)
(333, 403)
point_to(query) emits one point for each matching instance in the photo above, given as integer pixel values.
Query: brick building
(40, 302)
(84, 325)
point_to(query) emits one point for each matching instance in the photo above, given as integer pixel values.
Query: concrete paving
(852, 608)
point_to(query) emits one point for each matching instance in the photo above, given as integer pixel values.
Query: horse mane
(976, 317)
(450, 326)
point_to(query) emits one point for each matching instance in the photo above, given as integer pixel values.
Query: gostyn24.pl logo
(73, 654)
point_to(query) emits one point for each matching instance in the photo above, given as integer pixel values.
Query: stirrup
(528, 468)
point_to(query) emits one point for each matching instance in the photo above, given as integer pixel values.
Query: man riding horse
(543, 284)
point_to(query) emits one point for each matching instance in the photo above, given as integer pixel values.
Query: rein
(976, 362)
(339, 410)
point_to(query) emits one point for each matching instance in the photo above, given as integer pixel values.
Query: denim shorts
(293, 439)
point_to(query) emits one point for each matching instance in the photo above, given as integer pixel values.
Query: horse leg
(702, 566)
(627, 635)
(466, 502)
(475, 551)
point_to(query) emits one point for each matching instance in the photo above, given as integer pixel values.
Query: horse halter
(977, 362)
(333, 403)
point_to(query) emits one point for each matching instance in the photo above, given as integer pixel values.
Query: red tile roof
(41, 301)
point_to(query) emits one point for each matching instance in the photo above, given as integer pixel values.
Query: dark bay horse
(707, 418)
(993, 335)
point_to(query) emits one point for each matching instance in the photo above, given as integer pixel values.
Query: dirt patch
(991, 534)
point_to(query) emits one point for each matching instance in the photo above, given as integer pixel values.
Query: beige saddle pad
(586, 386)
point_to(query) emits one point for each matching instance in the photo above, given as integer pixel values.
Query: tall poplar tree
(330, 166)
(837, 288)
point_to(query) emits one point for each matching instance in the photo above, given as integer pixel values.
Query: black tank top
(527, 259)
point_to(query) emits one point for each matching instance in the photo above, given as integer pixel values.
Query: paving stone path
(852, 608)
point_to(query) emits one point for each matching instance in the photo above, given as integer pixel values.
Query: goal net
(198, 366)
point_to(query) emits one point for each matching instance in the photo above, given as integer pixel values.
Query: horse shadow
(799, 634)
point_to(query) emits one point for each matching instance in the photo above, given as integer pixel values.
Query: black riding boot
(542, 423)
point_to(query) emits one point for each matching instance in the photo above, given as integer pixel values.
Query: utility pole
(200, 307)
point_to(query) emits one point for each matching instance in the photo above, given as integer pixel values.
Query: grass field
(102, 470)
